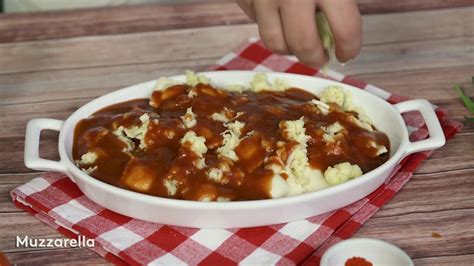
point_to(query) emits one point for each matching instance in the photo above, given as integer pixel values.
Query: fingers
(270, 25)
(301, 33)
(289, 26)
(247, 7)
(346, 26)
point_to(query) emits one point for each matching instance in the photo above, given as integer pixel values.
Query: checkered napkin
(57, 201)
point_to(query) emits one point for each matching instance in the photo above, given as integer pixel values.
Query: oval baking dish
(386, 118)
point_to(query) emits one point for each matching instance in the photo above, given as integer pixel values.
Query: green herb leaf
(467, 101)
(326, 36)
(325, 32)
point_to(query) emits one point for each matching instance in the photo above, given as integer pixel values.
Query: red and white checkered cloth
(57, 201)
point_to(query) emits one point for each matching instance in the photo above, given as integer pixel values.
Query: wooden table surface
(52, 63)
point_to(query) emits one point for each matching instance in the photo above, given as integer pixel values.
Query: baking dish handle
(436, 138)
(32, 141)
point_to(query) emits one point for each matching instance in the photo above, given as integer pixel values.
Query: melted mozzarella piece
(294, 130)
(192, 79)
(332, 131)
(231, 138)
(171, 186)
(126, 135)
(279, 187)
(341, 172)
(260, 83)
(322, 106)
(164, 83)
(189, 119)
(88, 158)
(197, 143)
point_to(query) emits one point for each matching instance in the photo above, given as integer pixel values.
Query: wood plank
(76, 256)
(67, 84)
(168, 46)
(12, 152)
(383, 58)
(419, 25)
(8, 183)
(154, 17)
(410, 56)
(56, 109)
(382, 6)
(139, 48)
(16, 179)
(13, 224)
(6, 205)
(116, 20)
(431, 84)
(412, 232)
(445, 260)
(435, 192)
(457, 154)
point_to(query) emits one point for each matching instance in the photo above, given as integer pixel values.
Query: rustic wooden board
(425, 53)
(42, 86)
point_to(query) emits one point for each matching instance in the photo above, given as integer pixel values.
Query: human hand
(289, 27)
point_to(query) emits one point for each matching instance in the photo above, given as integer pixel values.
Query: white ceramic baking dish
(386, 117)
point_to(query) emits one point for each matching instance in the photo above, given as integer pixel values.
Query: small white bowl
(375, 251)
